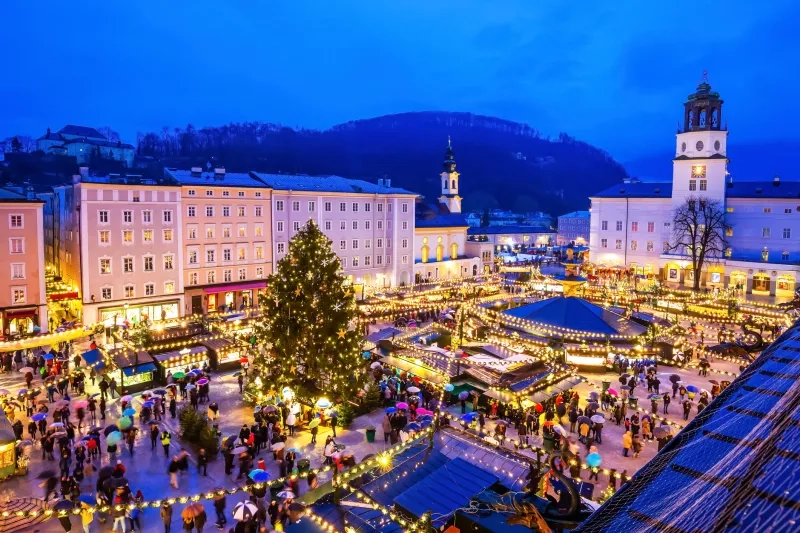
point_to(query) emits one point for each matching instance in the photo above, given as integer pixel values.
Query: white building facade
(631, 224)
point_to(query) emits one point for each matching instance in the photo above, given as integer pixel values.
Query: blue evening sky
(613, 73)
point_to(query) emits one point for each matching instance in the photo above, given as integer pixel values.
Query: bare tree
(109, 134)
(698, 232)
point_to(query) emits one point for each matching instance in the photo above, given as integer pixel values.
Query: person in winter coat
(573, 419)
(166, 438)
(646, 429)
(627, 443)
(636, 445)
(166, 517)
(291, 420)
(584, 432)
(386, 425)
(667, 399)
(219, 508)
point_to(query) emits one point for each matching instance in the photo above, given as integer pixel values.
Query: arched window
(454, 251)
(691, 120)
(453, 184)
(703, 118)
(439, 252)
(715, 118)
(444, 184)
(425, 251)
(474, 270)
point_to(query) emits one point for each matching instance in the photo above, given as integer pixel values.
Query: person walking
(334, 421)
(627, 443)
(173, 469)
(87, 516)
(219, 509)
(166, 438)
(153, 436)
(291, 420)
(240, 380)
(166, 517)
(667, 399)
(202, 462)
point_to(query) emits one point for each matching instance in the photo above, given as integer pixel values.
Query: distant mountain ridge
(503, 163)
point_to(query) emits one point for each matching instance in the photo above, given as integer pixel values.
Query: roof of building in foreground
(576, 214)
(297, 182)
(737, 189)
(735, 467)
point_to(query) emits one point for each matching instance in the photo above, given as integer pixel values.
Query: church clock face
(699, 145)
(683, 147)
(716, 145)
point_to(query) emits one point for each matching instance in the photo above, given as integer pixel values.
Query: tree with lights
(304, 336)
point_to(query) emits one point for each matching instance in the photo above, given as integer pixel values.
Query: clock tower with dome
(701, 161)
(449, 177)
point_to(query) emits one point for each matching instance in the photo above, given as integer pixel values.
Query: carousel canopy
(735, 468)
(576, 314)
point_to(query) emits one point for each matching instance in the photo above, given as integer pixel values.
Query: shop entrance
(197, 305)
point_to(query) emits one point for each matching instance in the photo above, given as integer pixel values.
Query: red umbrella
(539, 409)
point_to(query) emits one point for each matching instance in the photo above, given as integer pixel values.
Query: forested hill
(503, 163)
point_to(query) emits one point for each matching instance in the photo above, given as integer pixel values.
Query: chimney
(388, 182)
(776, 181)
(84, 170)
(76, 178)
(219, 171)
(380, 182)
(31, 194)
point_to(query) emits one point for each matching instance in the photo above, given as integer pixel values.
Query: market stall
(223, 354)
(188, 358)
(136, 369)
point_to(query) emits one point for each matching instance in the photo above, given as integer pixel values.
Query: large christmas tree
(304, 338)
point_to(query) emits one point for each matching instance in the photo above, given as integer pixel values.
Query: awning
(22, 313)
(62, 296)
(407, 366)
(237, 287)
(92, 356)
(141, 369)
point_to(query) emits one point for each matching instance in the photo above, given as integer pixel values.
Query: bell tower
(700, 164)
(449, 177)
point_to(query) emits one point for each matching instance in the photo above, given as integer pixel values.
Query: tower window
(703, 118)
(715, 120)
(444, 184)
(453, 184)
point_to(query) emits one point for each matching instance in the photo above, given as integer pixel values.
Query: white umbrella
(447, 316)
(560, 430)
(598, 419)
(413, 390)
(55, 425)
(376, 364)
(278, 446)
(244, 511)
(286, 494)
(126, 398)
(191, 386)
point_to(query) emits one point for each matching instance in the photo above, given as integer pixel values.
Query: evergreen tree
(16, 145)
(304, 332)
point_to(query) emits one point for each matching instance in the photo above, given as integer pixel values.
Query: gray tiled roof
(637, 190)
(81, 131)
(209, 179)
(735, 467)
(287, 182)
(764, 189)
(448, 220)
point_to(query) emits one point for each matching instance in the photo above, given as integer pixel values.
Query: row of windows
(210, 192)
(241, 211)
(103, 217)
(786, 210)
(651, 226)
(227, 255)
(354, 244)
(104, 236)
(211, 231)
(227, 275)
(766, 233)
(650, 246)
(343, 225)
(129, 290)
(148, 264)
(311, 206)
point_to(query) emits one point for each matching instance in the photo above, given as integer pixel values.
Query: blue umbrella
(425, 417)
(195, 372)
(129, 411)
(160, 392)
(48, 356)
(39, 416)
(426, 422)
(148, 404)
(294, 450)
(88, 499)
(258, 475)
(463, 395)
(413, 426)
(593, 460)
(692, 388)
(95, 395)
(390, 410)
(449, 387)
(22, 392)
(469, 417)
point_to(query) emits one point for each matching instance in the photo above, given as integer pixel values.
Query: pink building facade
(130, 249)
(371, 226)
(23, 302)
(227, 239)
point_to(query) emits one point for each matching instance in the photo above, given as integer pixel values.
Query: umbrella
(278, 446)
(114, 437)
(191, 386)
(623, 380)
(160, 392)
(244, 511)
(425, 422)
(239, 449)
(390, 410)
(105, 472)
(287, 494)
(179, 375)
(413, 390)
(654, 397)
(111, 428)
(413, 426)
(612, 392)
(583, 420)
(713, 381)
(46, 474)
(194, 372)
(323, 403)
(149, 405)
(63, 505)
(25, 443)
(230, 441)
(388, 371)
(127, 398)
(192, 510)
(60, 404)
(594, 395)
(314, 423)
(502, 423)
(294, 450)
(125, 422)
(674, 378)
(692, 388)
(449, 387)
(402, 405)
(463, 395)
(88, 499)
(39, 416)
(376, 364)
(598, 419)
(48, 356)
(130, 411)
(625, 387)
(557, 428)
(81, 404)
(593, 460)
(270, 409)
(4, 392)
(22, 392)
(468, 417)
(25, 370)
(660, 432)
(202, 381)
(95, 395)
(258, 475)
(593, 405)
(56, 425)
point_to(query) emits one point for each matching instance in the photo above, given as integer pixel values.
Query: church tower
(449, 177)
(700, 164)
